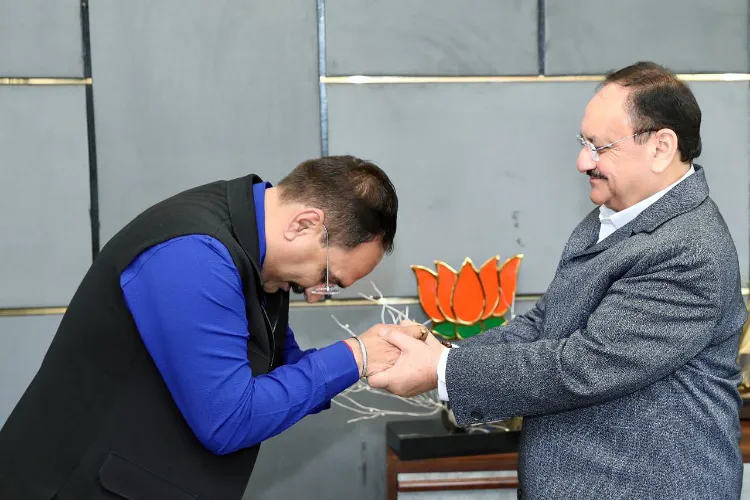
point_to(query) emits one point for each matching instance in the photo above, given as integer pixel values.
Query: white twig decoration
(424, 405)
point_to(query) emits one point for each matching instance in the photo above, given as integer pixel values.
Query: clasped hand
(397, 361)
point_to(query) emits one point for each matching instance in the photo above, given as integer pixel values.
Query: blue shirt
(185, 295)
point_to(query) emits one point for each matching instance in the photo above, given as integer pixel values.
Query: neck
(271, 202)
(278, 216)
(673, 174)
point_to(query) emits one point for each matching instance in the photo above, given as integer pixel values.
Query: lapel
(613, 239)
(682, 198)
(242, 216)
(584, 235)
(245, 228)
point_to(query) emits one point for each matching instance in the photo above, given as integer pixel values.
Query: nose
(585, 162)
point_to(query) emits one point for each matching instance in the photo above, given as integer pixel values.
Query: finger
(397, 338)
(408, 322)
(415, 330)
(376, 330)
(432, 341)
(379, 380)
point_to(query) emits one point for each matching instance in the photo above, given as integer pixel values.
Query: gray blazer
(625, 370)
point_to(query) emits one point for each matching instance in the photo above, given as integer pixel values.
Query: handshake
(402, 359)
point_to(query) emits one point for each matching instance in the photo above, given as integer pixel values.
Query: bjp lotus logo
(464, 303)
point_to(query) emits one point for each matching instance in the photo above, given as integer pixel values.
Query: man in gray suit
(625, 370)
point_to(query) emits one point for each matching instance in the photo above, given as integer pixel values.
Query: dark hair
(657, 100)
(357, 197)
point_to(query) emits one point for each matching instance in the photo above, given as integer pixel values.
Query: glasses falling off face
(327, 288)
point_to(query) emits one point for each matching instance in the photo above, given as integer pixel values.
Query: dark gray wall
(44, 194)
(490, 168)
(188, 91)
(24, 341)
(594, 36)
(40, 38)
(431, 37)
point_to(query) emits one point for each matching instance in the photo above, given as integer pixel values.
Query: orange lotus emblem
(464, 303)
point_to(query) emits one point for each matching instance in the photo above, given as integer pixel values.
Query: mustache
(595, 174)
(297, 288)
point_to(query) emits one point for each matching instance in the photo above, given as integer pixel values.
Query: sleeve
(186, 299)
(292, 354)
(523, 328)
(292, 351)
(646, 327)
(442, 364)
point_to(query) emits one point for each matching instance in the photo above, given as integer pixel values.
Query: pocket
(129, 480)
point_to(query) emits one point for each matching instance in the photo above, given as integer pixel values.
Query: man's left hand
(415, 371)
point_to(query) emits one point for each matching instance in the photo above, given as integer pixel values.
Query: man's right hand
(381, 354)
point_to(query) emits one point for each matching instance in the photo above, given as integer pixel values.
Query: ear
(666, 148)
(307, 221)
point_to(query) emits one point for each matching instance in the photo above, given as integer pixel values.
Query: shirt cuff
(338, 366)
(442, 363)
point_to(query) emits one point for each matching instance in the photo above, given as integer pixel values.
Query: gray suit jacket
(625, 370)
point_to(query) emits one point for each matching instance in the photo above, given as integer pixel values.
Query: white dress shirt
(610, 221)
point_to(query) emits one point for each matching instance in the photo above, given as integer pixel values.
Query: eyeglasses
(326, 289)
(595, 150)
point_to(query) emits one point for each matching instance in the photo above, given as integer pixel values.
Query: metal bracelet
(364, 357)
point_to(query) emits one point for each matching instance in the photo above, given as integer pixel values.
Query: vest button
(476, 414)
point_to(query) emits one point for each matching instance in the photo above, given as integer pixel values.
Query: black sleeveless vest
(98, 421)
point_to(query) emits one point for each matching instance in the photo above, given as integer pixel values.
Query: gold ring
(424, 331)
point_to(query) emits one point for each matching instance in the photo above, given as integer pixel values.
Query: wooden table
(476, 463)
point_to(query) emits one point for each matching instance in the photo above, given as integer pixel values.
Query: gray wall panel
(23, 343)
(431, 37)
(480, 170)
(187, 94)
(688, 36)
(44, 195)
(41, 38)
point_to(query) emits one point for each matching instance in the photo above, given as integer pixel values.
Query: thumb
(379, 380)
(398, 339)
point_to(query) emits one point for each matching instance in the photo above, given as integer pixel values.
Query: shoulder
(700, 231)
(190, 253)
(694, 247)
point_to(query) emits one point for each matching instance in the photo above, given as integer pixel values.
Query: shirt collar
(619, 219)
(259, 195)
